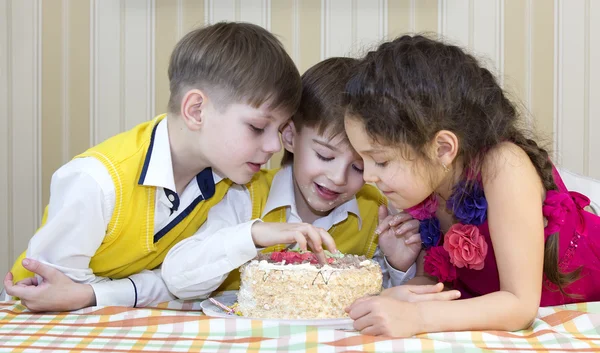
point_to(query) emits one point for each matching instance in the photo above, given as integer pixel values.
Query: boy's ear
(287, 136)
(193, 106)
(445, 145)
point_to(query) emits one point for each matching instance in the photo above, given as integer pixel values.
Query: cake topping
(298, 257)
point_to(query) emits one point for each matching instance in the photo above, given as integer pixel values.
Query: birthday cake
(293, 285)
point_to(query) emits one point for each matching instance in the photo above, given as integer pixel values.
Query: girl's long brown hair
(409, 89)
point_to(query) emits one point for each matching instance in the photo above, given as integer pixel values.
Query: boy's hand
(57, 292)
(399, 238)
(266, 234)
(420, 293)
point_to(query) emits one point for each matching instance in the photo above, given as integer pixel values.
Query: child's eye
(256, 129)
(358, 169)
(324, 158)
(382, 164)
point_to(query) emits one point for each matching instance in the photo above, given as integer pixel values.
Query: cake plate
(230, 297)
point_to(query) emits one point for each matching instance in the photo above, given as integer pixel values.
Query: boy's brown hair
(321, 103)
(234, 62)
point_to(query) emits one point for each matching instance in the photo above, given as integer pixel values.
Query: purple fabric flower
(430, 232)
(468, 203)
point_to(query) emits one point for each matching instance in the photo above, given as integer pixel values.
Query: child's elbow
(523, 316)
(169, 278)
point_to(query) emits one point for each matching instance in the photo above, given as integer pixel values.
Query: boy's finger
(315, 237)
(31, 281)
(8, 282)
(47, 272)
(327, 239)
(12, 289)
(300, 240)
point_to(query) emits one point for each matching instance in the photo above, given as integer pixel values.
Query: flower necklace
(463, 245)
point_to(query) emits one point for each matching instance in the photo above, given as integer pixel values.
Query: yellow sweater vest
(129, 246)
(349, 239)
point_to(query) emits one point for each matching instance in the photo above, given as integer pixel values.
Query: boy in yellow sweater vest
(321, 184)
(117, 209)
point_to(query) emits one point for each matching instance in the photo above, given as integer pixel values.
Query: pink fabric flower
(437, 264)
(555, 210)
(466, 247)
(425, 209)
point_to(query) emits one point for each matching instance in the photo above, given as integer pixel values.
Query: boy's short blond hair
(234, 63)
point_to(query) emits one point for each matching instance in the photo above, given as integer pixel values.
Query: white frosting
(267, 266)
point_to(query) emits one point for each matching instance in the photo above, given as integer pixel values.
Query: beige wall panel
(517, 56)
(137, 63)
(456, 22)
(193, 14)
(25, 114)
(6, 213)
(400, 19)
(223, 10)
(254, 11)
(369, 25)
(593, 87)
(284, 24)
(166, 37)
(426, 16)
(107, 89)
(486, 33)
(570, 120)
(309, 33)
(337, 34)
(54, 95)
(78, 76)
(542, 71)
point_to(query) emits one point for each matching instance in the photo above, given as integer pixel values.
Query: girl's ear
(445, 148)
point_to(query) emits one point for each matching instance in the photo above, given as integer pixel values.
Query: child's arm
(197, 266)
(392, 276)
(514, 194)
(399, 245)
(81, 205)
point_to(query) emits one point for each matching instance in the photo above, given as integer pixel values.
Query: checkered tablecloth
(180, 326)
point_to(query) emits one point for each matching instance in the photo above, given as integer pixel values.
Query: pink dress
(579, 246)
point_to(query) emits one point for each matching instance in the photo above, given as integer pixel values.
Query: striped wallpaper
(74, 72)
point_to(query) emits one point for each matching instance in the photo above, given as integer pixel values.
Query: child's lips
(255, 167)
(326, 193)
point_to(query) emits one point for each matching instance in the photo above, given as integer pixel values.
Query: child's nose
(272, 145)
(338, 177)
(369, 176)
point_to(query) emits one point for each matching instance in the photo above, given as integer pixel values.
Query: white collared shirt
(198, 265)
(81, 205)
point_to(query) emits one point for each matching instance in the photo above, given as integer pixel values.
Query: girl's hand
(419, 293)
(399, 238)
(385, 316)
